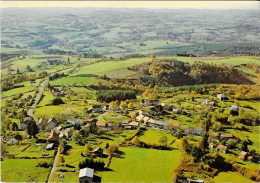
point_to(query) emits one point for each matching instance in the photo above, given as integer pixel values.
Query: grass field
(102, 67)
(231, 177)
(142, 165)
(17, 90)
(74, 80)
(18, 170)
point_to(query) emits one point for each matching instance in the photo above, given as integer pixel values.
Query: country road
(54, 166)
(30, 111)
(99, 118)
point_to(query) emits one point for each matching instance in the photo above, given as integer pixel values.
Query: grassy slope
(141, 165)
(231, 177)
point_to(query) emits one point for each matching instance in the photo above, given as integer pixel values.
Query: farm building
(12, 141)
(197, 131)
(42, 123)
(52, 137)
(221, 148)
(133, 125)
(98, 152)
(87, 175)
(95, 108)
(52, 123)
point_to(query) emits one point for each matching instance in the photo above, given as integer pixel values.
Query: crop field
(23, 170)
(140, 165)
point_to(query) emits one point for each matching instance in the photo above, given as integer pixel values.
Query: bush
(91, 163)
(42, 163)
(57, 101)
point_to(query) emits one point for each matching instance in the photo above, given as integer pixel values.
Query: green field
(102, 67)
(74, 80)
(17, 90)
(18, 170)
(142, 165)
(231, 177)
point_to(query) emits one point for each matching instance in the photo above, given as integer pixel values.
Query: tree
(123, 105)
(133, 116)
(205, 142)
(61, 159)
(68, 59)
(107, 145)
(244, 146)
(184, 145)
(130, 105)
(86, 150)
(61, 148)
(14, 126)
(163, 140)
(179, 133)
(32, 128)
(76, 138)
(25, 135)
(135, 141)
(18, 71)
(112, 105)
(28, 67)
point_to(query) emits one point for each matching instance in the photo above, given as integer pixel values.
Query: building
(226, 136)
(42, 123)
(114, 125)
(221, 148)
(66, 133)
(102, 125)
(52, 137)
(12, 141)
(133, 125)
(86, 175)
(25, 121)
(98, 152)
(53, 62)
(52, 123)
(222, 97)
(95, 108)
(234, 109)
(215, 135)
(197, 131)
(149, 102)
(176, 126)
(165, 106)
(140, 117)
(74, 121)
(50, 146)
(177, 110)
(189, 180)
(243, 155)
(161, 125)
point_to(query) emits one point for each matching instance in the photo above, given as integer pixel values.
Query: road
(53, 166)
(30, 111)
(99, 118)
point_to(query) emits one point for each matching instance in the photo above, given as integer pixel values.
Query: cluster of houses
(51, 62)
(58, 93)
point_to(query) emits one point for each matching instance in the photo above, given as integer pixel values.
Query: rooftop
(86, 172)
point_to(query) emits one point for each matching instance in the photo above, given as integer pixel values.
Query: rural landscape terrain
(130, 95)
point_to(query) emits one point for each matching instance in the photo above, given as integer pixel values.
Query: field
(141, 165)
(26, 167)
(17, 90)
(74, 80)
(231, 177)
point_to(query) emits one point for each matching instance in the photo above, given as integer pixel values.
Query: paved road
(99, 118)
(30, 112)
(54, 166)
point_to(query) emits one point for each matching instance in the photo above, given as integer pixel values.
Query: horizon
(212, 5)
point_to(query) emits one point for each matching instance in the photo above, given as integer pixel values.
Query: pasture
(231, 176)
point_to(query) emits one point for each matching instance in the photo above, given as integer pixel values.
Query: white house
(177, 110)
(86, 175)
(12, 141)
(52, 123)
(197, 131)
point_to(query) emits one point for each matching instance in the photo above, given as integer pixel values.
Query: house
(188, 130)
(86, 175)
(102, 125)
(12, 141)
(189, 180)
(139, 118)
(98, 152)
(226, 136)
(42, 123)
(66, 133)
(50, 146)
(177, 110)
(133, 125)
(150, 122)
(197, 131)
(33, 82)
(52, 62)
(52, 123)
(125, 122)
(161, 125)
(149, 102)
(176, 126)
(221, 148)
(95, 108)
(114, 125)
(222, 97)
(215, 135)
(52, 137)
(74, 121)
(25, 121)
(243, 155)
(153, 111)
(146, 118)
(234, 109)
(57, 129)
(165, 106)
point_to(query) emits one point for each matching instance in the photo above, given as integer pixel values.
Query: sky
(137, 4)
